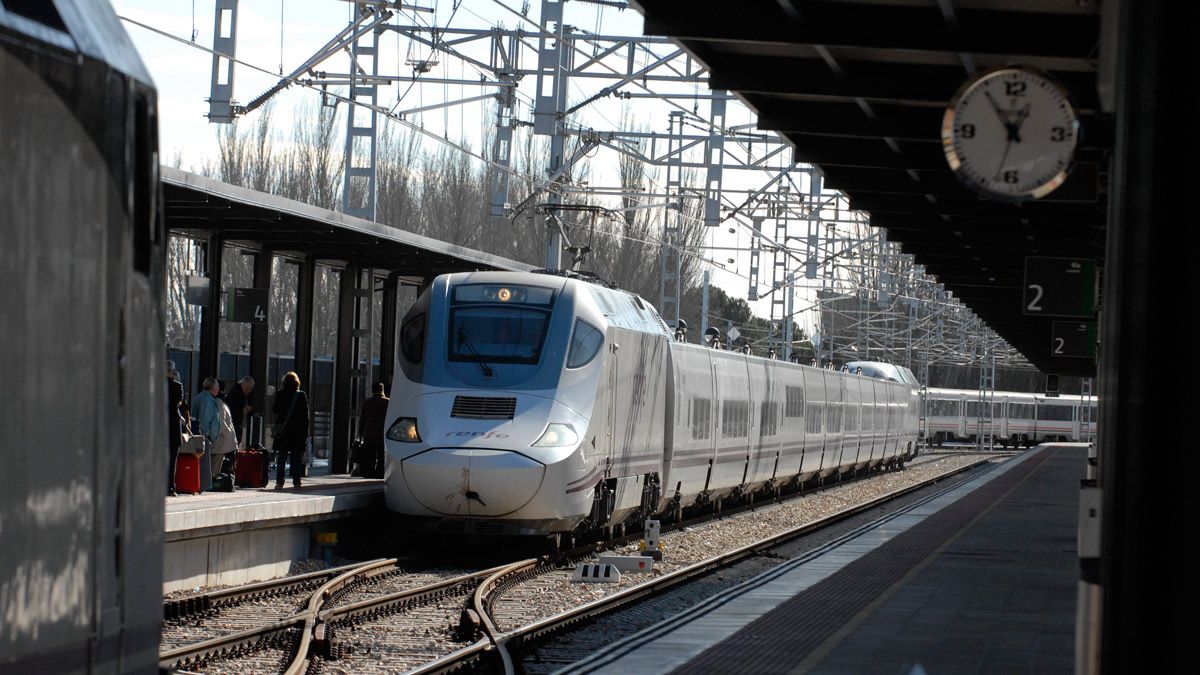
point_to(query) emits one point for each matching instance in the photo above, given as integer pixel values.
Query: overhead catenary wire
(457, 146)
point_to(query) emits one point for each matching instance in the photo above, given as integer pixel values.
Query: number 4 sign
(247, 305)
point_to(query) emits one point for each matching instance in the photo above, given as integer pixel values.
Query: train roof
(1031, 397)
(883, 371)
(78, 26)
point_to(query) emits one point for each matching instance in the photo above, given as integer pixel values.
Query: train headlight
(557, 435)
(404, 429)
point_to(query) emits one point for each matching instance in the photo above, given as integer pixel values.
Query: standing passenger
(371, 419)
(226, 439)
(208, 416)
(291, 423)
(174, 438)
(239, 405)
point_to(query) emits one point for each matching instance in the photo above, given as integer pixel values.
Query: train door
(871, 419)
(769, 416)
(835, 388)
(814, 415)
(605, 460)
(961, 413)
(879, 412)
(1002, 406)
(1076, 416)
(730, 407)
(752, 424)
(852, 423)
(791, 423)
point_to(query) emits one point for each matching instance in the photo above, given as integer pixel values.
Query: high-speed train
(1017, 418)
(527, 403)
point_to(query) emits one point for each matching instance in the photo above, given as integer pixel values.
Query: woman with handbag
(290, 429)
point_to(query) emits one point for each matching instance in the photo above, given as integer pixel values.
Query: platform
(218, 538)
(978, 580)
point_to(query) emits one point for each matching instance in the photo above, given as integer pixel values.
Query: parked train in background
(1016, 419)
(528, 403)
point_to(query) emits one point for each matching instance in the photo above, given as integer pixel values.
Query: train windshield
(499, 324)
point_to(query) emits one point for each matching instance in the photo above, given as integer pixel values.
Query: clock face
(1011, 133)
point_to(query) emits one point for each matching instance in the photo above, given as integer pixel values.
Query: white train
(529, 403)
(1017, 418)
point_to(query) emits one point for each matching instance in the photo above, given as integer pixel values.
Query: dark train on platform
(537, 404)
(83, 423)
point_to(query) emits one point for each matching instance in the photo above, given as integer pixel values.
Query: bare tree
(312, 170)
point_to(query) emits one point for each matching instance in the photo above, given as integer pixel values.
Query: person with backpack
(290, 430)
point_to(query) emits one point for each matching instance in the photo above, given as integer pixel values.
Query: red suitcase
(187, 474)
(251, 469)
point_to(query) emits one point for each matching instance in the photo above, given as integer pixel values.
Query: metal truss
(871, 298)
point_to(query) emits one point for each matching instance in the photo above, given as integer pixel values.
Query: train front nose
(472, 481)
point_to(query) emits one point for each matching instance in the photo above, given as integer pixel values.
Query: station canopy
(859, 87)
(194, 203)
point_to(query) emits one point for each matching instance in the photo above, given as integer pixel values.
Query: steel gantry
(716, 173)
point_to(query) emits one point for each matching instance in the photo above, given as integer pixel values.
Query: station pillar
(306, 284)
(353, 367)
(387, 330)
(210, 313)
(260, 334)
(1148, 467)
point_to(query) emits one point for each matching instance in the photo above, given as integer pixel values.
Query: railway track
(285, 635)
(512, 630)
(374, 617)
(196, 618)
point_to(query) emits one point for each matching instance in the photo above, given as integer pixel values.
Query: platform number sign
(247, 305)
(1060, 287)
(1073, 339)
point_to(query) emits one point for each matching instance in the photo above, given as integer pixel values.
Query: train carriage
(1017, 418)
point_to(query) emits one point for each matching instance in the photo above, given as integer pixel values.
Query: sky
(278, 35)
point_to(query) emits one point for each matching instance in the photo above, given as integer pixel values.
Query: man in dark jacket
(371, 419)
(174, 440)
(239, 405)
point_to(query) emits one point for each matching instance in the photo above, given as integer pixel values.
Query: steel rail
(299, 663)
(255, 638)
(191, 605)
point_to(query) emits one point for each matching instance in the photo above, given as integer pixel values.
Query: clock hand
(1004, 119)
(1003, 158)
(1015, 132)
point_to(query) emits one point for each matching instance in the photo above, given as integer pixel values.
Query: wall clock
(1010, 133)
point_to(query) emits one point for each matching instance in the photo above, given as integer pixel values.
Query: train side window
(795, 402)
(735, 419)
(813, 423)
(412, 338)
(768, 422)
(701, 418)
(585, 344)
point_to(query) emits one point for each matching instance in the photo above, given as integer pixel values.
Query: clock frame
(1010, 133)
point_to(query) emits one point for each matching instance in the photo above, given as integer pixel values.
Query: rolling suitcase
(187, 474)
(252, 468)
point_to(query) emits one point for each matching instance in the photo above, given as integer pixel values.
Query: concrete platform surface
(319, 498)
(981, 579)
(223, 538)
